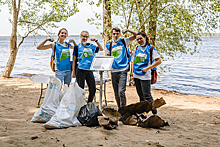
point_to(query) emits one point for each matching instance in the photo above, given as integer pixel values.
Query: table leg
(41, 92)
(100, 96)
(105, 93)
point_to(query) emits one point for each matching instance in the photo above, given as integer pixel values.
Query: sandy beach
(194, 121)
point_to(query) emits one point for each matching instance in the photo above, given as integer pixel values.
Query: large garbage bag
(67, 112)
(88, 115)
(51, 101)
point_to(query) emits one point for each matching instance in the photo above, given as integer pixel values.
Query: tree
(34, 17)
(170, 24)
(106, 35)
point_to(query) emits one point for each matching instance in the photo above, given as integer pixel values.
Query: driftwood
(110, 119)
(140, 107)
(152, 122)
(130, 115)
(113, 115)
(131, 120)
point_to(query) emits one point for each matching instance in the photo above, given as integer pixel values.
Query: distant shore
(98, 35)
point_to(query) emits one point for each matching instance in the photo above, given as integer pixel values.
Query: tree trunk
(13, 44)
(140, 17)
(153, 21)
(106, 35)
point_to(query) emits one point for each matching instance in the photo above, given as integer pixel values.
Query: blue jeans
(119, 80)
(81, 76)
(63, 75)
(143, 88)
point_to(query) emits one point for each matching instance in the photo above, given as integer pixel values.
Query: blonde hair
(84, 32)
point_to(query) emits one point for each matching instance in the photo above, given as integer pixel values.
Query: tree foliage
(39, 16)
(35, 17)
(171, 24)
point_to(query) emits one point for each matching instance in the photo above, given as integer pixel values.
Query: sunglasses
(139, 39)
(115, 33)
(85, 36)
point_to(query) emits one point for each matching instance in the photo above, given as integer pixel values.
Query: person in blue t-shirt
(141, 67)
(63, 64)
(119, 49)
(85, 53)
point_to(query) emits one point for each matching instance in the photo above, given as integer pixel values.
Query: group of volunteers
(83, 55)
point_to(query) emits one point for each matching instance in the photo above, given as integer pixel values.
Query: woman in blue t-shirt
(84, 52)
(63, 64)
(141, 67)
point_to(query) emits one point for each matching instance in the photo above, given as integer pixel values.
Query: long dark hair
(147, 38)
(61, 30)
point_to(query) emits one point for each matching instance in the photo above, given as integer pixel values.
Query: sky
(74, 24)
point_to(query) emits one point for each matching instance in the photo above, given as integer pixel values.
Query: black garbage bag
(88, 115)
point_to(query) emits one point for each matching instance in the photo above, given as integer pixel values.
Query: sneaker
(143, 115)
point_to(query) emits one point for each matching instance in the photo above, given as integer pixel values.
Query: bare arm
(73, 67)
(41, 46)
(155, 64)
(132, 38)
(132, 66)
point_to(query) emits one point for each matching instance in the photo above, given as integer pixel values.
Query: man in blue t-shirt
(120, 66)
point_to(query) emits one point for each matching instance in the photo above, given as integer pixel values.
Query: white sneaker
(143, 115)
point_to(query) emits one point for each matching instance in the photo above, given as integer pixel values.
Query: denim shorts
(64, 75)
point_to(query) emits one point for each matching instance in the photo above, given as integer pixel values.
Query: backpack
(123, 41)
(153, 71)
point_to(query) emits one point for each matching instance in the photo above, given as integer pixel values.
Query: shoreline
(173, 91)
(26, 75)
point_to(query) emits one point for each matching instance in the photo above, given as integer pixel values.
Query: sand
(194, 121)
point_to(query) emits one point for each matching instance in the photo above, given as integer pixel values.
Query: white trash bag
(66, 114)
(51, 101)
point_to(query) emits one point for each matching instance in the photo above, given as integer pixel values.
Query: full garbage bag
(51, 101)
(66, 114)
(88, 115)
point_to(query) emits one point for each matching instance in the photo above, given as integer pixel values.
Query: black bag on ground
(88, 115)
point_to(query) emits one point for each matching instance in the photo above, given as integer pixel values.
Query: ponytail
(147, 38)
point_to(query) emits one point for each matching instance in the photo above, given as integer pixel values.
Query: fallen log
(110, 119)
(140, 107)
(152, 122)
(112, 114)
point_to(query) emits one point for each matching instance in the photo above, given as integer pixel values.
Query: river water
(197, 74)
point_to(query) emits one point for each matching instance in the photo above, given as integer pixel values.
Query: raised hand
(93, 39)
(50, 39)
(124, 31)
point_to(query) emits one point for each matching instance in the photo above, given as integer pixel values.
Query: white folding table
(43, 79)
(101, 64)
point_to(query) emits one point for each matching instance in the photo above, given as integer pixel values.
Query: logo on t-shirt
(87, 52)
(65, 54)
(140, 58)
(117, 51)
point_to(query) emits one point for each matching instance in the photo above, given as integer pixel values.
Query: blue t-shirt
(141, 59)
(118, 51)
(85, 55)
(63, 62)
